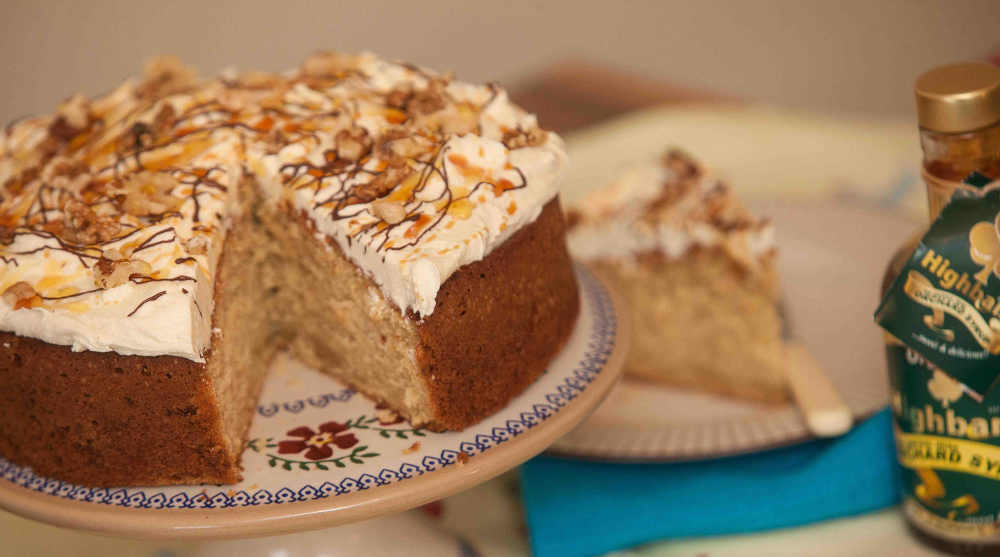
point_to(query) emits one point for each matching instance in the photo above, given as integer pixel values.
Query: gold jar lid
(959, 97)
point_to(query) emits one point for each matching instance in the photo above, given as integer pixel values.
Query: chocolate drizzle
(143, 279)
(152, 298)
(76, 295)
(148, 242)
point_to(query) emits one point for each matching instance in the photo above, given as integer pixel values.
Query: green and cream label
(948, 446)
(945, 303)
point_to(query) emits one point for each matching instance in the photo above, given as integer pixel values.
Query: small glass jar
(959, 113)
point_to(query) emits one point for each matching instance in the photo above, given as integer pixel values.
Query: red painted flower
(317, 445)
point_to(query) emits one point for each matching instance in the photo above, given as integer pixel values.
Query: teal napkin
(576, 508)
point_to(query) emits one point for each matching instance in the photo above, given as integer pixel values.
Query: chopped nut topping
(20, 295)
(109, 273)
(408, 147)
(165, 75)
(112, 254)
(83, 226)
(164, 119)
(392, 212)
(60, 131)
(196, 245)
(274, 141)
(136, 138)
(66, 174)
(352, 144)
(327, 64)
(72, 118)
(400, 96)
(430, 99)
(516, 139)
(682, 165)
(75, 111)
(381, 185)
(256, 80)
(149, 193)
(456, 122)
(232, 100)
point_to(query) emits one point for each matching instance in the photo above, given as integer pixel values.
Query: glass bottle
(958, 109)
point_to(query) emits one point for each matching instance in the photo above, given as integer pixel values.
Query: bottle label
(948, 447)
(945, 302)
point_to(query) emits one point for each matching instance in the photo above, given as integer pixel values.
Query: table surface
(566, 97)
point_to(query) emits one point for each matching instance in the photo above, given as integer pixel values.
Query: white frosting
(135, 319)
(412, 276)
(620, 222)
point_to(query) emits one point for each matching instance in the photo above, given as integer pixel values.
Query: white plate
(375, 468)
(814, 177)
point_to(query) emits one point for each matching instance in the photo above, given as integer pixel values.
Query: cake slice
(389, 225)
(698, 271)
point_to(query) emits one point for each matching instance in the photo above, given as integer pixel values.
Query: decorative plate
(813, 177)
(319, 456)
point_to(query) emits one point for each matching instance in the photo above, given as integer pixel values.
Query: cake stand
(319, 456)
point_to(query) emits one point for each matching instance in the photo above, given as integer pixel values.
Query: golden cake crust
(103, 419)
(499, 322)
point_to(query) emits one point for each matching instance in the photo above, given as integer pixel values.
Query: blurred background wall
(850, 55)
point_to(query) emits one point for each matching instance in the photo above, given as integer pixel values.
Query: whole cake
(698, 271)
(389, 225)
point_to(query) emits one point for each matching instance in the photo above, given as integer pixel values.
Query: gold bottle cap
(959, 97)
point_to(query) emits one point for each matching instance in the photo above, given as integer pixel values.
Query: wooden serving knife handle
(826, 413)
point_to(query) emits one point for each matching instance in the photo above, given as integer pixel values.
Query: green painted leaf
(339, 464)
(419, 433)
(303, 466)
(272, 462)
(322, 466)
(385, 434)
(400, 435)
(287, 465)
(370, 455)
(356, 460)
